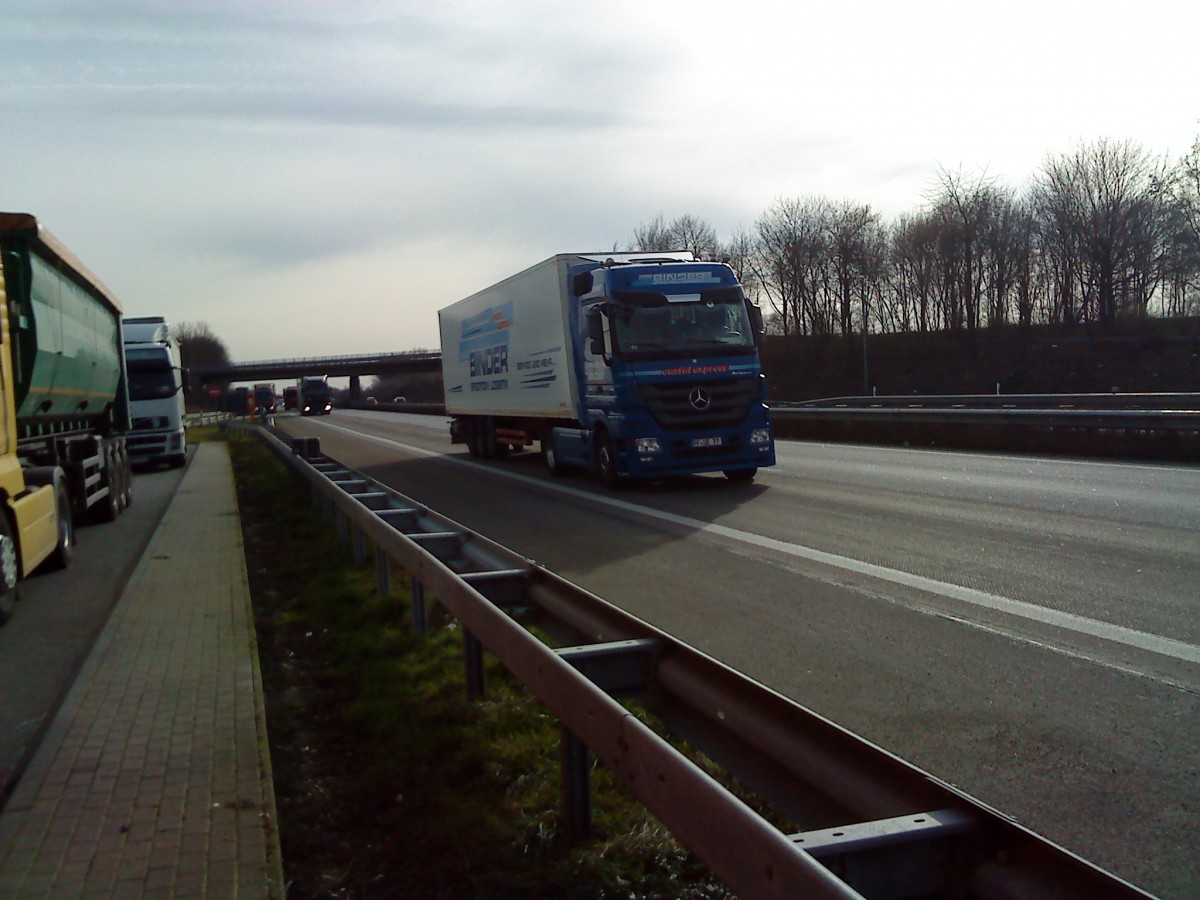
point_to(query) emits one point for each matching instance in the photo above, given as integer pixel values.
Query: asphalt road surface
(1023, 628)
(61, 614)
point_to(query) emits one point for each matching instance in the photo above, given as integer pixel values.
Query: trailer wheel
(64, 550)
(486, 431)
(472, 428)
(8, 570)
(550, 452)
(606, 461)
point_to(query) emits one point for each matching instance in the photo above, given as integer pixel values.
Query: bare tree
(686, 232)
(789, 263)
(1182, 256)
(856, 259)
(966, 207)
(1105, 203)
(199, 347)
(916, 271)
(738, 252)
(651, 235)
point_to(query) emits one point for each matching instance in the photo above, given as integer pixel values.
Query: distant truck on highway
(156, 388)
(238, 401)
(65, 397)
(264, 397)
(316, 399)
(291, 398)
(641, 365)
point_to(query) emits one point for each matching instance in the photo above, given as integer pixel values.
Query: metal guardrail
(205, 418)
(1109, 401)
(1163, 427)
(1110, 420)
(871, 825)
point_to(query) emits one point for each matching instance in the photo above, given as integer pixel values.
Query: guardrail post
(383, 574)
(473, 655)
(420, 620)
(359, 541)
(576, 785)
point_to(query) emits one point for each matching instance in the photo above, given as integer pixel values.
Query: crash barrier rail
(1155, 426)
(1117, 412)
(205, 418)
(869, 824)
(1109, 401)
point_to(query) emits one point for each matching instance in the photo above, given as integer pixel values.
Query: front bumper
(693, 452)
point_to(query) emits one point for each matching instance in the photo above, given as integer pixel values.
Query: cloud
(247, 160)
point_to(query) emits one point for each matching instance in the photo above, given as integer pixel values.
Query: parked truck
(65, 397)
(316, 399)
(156, 392)
(628, 365)
(264, 397)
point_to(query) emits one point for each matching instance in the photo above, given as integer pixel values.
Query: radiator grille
(699, 404)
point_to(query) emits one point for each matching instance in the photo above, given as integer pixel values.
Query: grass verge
(389, 783)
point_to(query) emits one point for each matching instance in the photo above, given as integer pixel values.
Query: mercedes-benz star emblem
(699, 399)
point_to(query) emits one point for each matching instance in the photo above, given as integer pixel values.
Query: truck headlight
(760, 437)
(648, 447)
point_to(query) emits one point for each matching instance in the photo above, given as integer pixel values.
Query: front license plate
(707, 442)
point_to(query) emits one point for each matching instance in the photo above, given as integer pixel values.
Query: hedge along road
(1023, 628)
(61, 614)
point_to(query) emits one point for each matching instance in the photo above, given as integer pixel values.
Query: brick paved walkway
(154, 779)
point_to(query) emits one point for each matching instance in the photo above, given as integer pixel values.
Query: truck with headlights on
(632, 366)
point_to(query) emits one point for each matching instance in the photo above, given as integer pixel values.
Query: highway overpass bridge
(354, 367)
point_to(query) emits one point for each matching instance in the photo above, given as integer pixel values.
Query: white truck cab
(156, 388)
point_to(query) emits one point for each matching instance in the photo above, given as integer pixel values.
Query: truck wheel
(8, 570)
(741, 474)
(64, 550)
(487, 437)
(109, 507)
(550, 452)
(606, 462)
(127, 479)
(473, 438)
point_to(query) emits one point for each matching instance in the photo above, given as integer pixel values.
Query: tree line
(1101, 233)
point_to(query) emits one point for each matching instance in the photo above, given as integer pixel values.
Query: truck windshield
(151, 383)
(649, 325)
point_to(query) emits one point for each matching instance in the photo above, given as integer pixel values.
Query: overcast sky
(318, 178)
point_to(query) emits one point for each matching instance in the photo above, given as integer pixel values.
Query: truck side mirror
(581, 284)
(595, 327)
(756, 322)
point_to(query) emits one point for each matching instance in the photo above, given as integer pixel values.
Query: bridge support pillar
(355, 387)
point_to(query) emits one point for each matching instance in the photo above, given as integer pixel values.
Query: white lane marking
(1130, 637)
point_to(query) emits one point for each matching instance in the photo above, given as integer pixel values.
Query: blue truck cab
(632, 366)
(669, 372)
